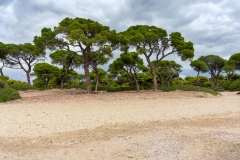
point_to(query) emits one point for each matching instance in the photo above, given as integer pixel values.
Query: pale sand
(128, 125)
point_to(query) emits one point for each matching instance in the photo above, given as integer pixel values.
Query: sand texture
(70, 125)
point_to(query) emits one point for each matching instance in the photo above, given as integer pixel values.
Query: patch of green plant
(22, 87)
(218, 88)
(2, 84)
(8, 94)
(235, 85)
(238, 93)
(114, 88)
(167, 88)
(187, 88)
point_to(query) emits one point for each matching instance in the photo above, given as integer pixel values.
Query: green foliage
(6, 78)
(231, 85)
(153, 41)
(44, 72)
(19, 85)
(187, 88)
(116, 89)
(131, 63)
(235, 85)
(215, 66)
(87, 36)
(106, 88)
(23, 56)
(167, 71)
(13, 82)
(235, 60)
(2, 84)
(200, 67)
(8, 94)
(22, 87)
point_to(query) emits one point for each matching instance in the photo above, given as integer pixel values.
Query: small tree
(152, 41)
(3, 53)
(235, 60)
(229, 69)
(131, 63)
(200, 67)
(23, 56)
(99, 59)
(45, 72)
(68, 61)
(215, 67)
(167, 70)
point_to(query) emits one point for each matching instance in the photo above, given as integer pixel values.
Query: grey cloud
(213, 26)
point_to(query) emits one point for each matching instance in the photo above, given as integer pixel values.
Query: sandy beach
(67, 125)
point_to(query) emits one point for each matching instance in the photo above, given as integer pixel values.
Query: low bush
(235, 85)
(8, 94)
(218, 88)
(103, 88)
(21, 87)
(187, 88)
(2, 84)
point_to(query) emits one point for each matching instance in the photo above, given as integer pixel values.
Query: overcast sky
(213, 26)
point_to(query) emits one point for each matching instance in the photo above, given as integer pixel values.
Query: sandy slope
(128, 125)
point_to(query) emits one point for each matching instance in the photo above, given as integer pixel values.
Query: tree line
(79, 42)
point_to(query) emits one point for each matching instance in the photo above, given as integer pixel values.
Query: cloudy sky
(212, 25)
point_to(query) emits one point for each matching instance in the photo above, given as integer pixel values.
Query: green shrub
(235, 85)
(104, 88)
(21, 87)
(187, 88)
(8, 94)
(218, 88)
(2, 84)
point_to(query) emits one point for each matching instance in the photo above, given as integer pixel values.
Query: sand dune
(65, 124)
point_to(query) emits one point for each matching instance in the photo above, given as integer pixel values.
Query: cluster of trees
(80, 42)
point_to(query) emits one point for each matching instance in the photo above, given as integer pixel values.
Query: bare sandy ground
(66, 125)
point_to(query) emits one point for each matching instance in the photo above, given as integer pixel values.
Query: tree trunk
(168, 82)
(153, 72)
(28, 78)
(154, 78)
(177, 78)
(197, 78)
(62, 83)
(217, 80)
(87, 75)
(212, 81)
(136, 83)
(4, 79)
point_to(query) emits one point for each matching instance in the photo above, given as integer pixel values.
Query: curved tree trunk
(1, 71)
(154, 78)
(28, 78)
(97, 80)
(3, 77)
(197, 78)
(136, 82)
(88, 80)
(62, 83)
